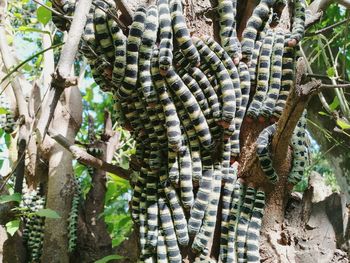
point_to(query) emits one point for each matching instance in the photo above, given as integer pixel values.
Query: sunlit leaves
(12, 226)
(44, 15)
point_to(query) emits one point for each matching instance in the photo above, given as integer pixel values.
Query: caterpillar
(193, 143)
(232, 70)
(119, 42)
(237, 199)
(173, 251)
(202, 198)
(148, 41)
(102, 33)
(263, 76)
(73, 218)
(300, 151)
(132, 53)
(162, 256)
(201, 88)
(226, 159)
(180, 222)
(172, 121)
(255, 56)
(226, 87)
(7, 119)
(228, 34)
(166, 37)
(196, 115)
(255, 24)
(275, 76)
(298, 26)
(152, 208)
(207, 230)
(253, 232)
(288, 61)
(243, 223)
(244, 77)
(263, 142)
(136, 197)
(181, 33)
(33, 224)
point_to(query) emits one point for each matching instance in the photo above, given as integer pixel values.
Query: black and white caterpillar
(7, 117)
(73, 218)
(33, 229)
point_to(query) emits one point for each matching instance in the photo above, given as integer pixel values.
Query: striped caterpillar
(300, 151)
(228, 34)
(254, 25)
(263, 76)
(33, 232)
(263, 152)
(7, 119)
(73, 218)
(298, 26)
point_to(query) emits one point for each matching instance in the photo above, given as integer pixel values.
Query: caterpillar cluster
(73, 218)
(7, 118)
(33, 225)
(183, 98)
(299, 146)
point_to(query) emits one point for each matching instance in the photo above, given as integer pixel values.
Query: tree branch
(323, 30)
(83, 157)
(62, 78)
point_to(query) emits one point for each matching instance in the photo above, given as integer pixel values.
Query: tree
(288, 222)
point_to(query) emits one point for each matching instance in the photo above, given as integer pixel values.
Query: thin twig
(85, 158)
(323, 30)
(331, 86)
(69, 18)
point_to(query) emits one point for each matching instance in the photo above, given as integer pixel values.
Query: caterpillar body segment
(162, 252)
(148, 41)
(119, 42)
(254, 61)
(253, 232)
(158, 125)
(172, 121)
(228, 34)
(287, 80)
(196, 115)
(263, 76)
(143, 229)
(245, 89)
(300, 151)
(206, 232)
(181, 33)
(178, 215)
(194, 143)
(132, 53)
(298, 26)
(229, 65)
(226, 87)
(102, 33)
(202, 199)
(275, 76)
(263, 152)
(200, 86)
(225, 212)
(89, 33)
(186, 186)
(237, 199)
(136, 197)
(173, 250)
(7, 120)
(166, 37)
(73, 219)
(152, 208)
(254, 25)
(226, 159)
(243, 223)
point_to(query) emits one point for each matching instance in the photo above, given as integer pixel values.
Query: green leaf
(109, 258)
(334, 105)
(343, 125)
(49, 213)
(12, 227)
(44, 15)
(330, 72)
(3, 110)
(16, 197)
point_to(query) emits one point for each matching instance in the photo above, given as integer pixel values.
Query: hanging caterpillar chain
(184, 98)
